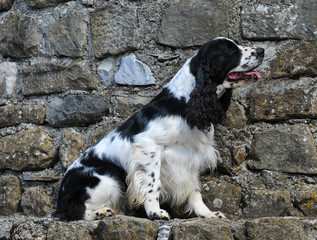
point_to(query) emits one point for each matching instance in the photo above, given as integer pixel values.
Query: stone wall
(64, 84)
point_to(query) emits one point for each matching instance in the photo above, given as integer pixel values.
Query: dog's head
(219, 65)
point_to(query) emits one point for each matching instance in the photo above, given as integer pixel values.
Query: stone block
(78, 110)
(306, 200)
(68, 36)
(124, 227)
(106, 70)
(266, 203)
(10, 195)
(5, 5)
(133, 72)
(286, 148)
(14, 114)
(62, 230)
(19, 36)
(127, 106)
(49, 78)
(294, 63)
(114, 30)
(193, 23)
(44, 3)
(39, 152)
(275, 229)
(35, 202)
(235, 116)
(5, 230)
(29, 231)
(222, 196)
(8, 78)
(72, 146)
(197, 228)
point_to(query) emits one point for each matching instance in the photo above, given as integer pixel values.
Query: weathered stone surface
(198, 228)
(10, 195)
(285, 148)
(283, 105)
(29, 231)
(47, 175)
(308, 19)
(44, 3)
(124, 227)
(235, 116)
(38, 153)
(297, 62)
(8, 78)
(61, 230)
(19, 36)
(239, 153)
(14, 114)
(266, 203)
(306, 200)
(275, 229)
(133, 72)
(106, 70)
(129, 105)
(5, 5)
(114, 31)
(76, 110)
(72, 146)
(35, 202)
(68, 36)
(5, 230)
(222, 196)
(270, 20)
(193, 23)
(48, 78)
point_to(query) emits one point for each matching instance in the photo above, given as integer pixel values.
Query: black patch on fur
(210, 67)
(164, 104)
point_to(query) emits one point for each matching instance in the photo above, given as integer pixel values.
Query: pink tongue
(238, 75)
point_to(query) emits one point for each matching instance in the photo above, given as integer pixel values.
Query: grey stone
(193, 23)
(197, 228)
(10, 195)
(134, 72)
(130, 104)
(76, 110)
(266, 203)
(5, 230)
(306, 200)
(35, 202)
(48, 78)
(72, 146)
(68, 36)
(38, 153)
(222, 196)
(274, 149)
(106, 70)
(124, 227)
(19, 36)
(8, 78)
(275, 229)
(14, 114)
(308, 19)
(297, 62)
(44, 3)
(5, 5)
(114, 31)
(235, 116)
(29, 231)
(62, 230)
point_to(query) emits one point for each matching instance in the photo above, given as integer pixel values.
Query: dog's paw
(217, 215)
(103, 213)
(160, 215)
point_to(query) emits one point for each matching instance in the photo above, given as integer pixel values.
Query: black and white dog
(157, 154)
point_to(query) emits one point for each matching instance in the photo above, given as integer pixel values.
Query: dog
(156, 156)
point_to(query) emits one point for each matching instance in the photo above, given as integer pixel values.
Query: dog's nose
(260, 52)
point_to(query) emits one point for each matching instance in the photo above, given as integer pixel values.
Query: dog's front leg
(144, 184)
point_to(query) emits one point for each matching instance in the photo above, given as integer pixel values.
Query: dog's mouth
(247, 76)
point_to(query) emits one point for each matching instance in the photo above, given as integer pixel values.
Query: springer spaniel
(157, 154)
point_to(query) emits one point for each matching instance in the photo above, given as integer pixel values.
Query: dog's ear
(204, 107)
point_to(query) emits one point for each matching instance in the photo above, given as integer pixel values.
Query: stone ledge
(125, 227)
